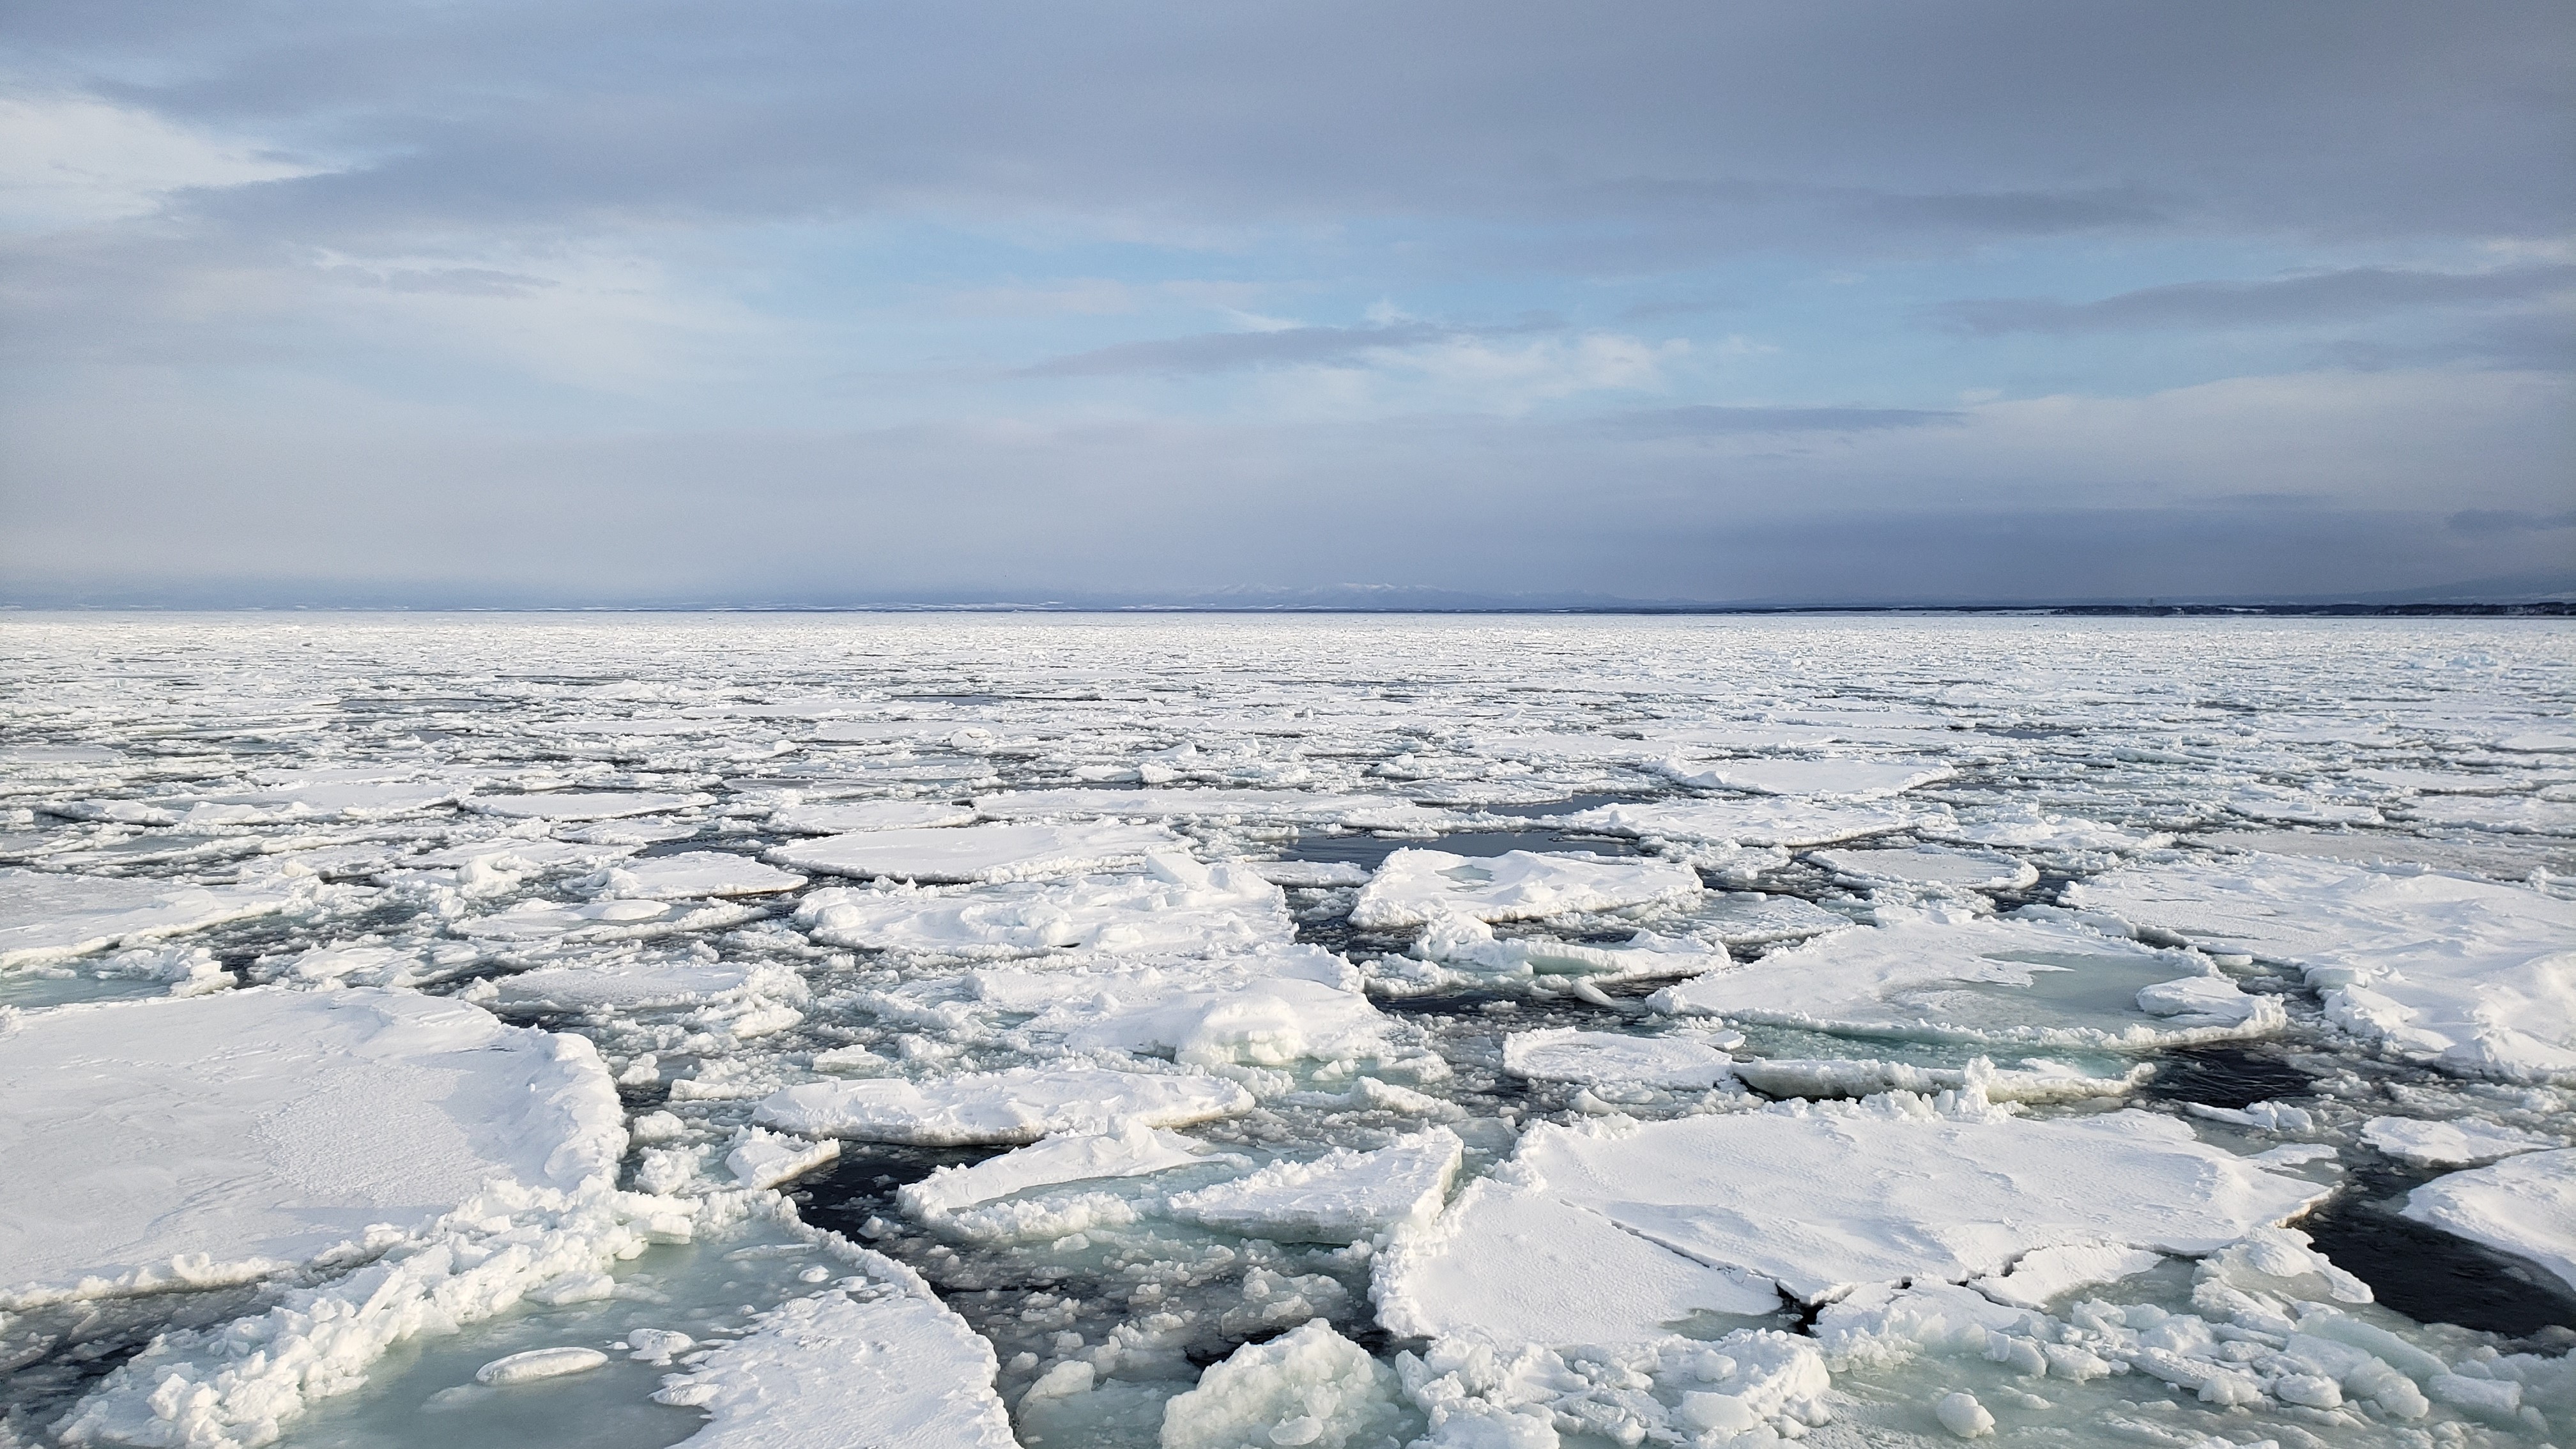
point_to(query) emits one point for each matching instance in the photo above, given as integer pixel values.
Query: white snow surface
(1793, 823)
(891, 1370)
(2451, 1144)
(1565, 1054)
(178, 1143)
(1825, 779)
(2524, 1205)
(1939, 975)
(585, 804)
(2472, 976)
(1176, 906)
(1895, 1189)
(1126, 1148)
(977, 852)
(694, 873)
(1021, 1104)
(1414, 887)
(1341, 1197)
(843, 817)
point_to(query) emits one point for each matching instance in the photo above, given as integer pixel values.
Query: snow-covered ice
(1133, 1032)
(180, 1143)
(1018, 1105)
(977, 852)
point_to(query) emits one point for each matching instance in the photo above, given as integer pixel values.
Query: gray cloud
(1704, 422)
(2488, 521)
(2339, 296)
(1285, 347)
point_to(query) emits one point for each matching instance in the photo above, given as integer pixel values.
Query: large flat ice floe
(977, 852)
(1343, 1196)
(181, 1142)
(46, 917)
(2472, 976)
(1948, 977)
(1414, 887)
(888, 1367)
(1787, 822)
(576, 805)
(1827, 779)
(1820, 1199)
(1177, 906)
(2524, 1205)
(1358, 812)
(1022, 1104)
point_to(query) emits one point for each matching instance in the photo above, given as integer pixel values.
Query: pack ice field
(1252, 1033)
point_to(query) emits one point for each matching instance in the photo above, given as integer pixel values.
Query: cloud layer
(565, 302)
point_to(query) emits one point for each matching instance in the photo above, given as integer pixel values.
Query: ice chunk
(847, 817)
(1515, 1262)
(1941, 976)
(584, 804)
(186, 1142)
(1933, 865)
(2466, 975)
(1889, 1189)
(1178, 905)
(1127, 1148)
(1359, 812)
(631, 985)
(1469, 945)
(1827, 779)
(2464, 1143)
(45, 916)
(766, 1159)
(899, 1370)
(1796, 824)
(978, 852)
(1340, 1197)
(2032, 1081)
(1309, 1388)
(694, 873)
(2046, 1273)
(539, 1363)
(1417, 886)
(1310, 873)
(1271, 1020)
(1563, 1054)
(536, 920)
(2524, 1205)
(1018, 1105)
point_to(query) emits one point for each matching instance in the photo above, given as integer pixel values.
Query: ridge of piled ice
(1344, 1196)
(1944, 976)
(2032, 1081)
(2524, 1205)
(45, 916)
(2473, 977)
(972, 853)
(1177, 906)
(1021, 1104)
(188, 1142)
(1309, 1388)
(1415, 887)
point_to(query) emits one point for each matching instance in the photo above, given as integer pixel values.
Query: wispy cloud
(1709, 422)
(1283, 347)
(2338, 296)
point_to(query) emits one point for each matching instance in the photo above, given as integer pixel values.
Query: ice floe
(1945, 977)
(2472, 976)
(1792, 823)
(2451, 1144)
(977, 852)
(872, 1365)
(1307, 1387)
(181, 1143)
(1932, 865)
(1126, 1148)
(1021, 1104)
(46, 917)
(842, 817)
(2524, 1205)
(1826, 779)
(1565, 1054)
(694, 873)
(584, 804)
(1343, 1196)
(1415, 887)
(1176, 906)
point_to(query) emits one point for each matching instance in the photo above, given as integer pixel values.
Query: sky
(562, 303)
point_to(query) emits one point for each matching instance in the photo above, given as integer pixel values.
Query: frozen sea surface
(1248, 1032)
